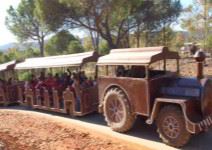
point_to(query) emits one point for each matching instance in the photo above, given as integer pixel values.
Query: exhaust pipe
(200, 58)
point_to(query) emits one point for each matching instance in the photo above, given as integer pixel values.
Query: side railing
(64, 101)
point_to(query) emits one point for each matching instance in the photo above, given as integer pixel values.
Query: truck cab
(146, 82)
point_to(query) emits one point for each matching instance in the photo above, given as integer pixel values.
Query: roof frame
(137, 56)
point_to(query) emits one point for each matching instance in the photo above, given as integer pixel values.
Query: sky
(7, 37)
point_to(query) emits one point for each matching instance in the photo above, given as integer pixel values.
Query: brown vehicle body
(146, 100)
(58, 100)
(144, 96)
(8, 92)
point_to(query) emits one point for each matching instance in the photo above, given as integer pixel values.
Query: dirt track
(21, 130)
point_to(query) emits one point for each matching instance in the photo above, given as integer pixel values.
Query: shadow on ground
(140, 129)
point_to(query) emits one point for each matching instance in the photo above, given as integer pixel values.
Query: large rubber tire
(171, 126)
(117, 111)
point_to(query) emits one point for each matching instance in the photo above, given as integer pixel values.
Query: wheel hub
(171, 127)
(115, 110)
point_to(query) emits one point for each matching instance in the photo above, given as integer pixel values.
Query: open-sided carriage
(59, 100)
(141, 81)
(8, 85)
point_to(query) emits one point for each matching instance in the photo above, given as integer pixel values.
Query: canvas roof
(137, 56)
(58, 61)
(8, 65)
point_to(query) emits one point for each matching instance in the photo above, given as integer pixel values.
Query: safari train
(121, 85)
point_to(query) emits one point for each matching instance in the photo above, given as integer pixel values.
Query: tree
(162, 37)
(209, 43)
(155, 16)
(87, 43)
(197, 20)
(75, 47)
(113, 20)
(179, 40)
(1, 57)
(59, 43)
(103, 47)
(25, 24)
(30, 52)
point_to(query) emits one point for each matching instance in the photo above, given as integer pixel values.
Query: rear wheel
(171, 126)
(117, 111)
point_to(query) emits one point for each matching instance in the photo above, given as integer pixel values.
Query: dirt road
(27, 130)
(35, 130)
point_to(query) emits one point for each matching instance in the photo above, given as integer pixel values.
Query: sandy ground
(188, 67)
(25, 130)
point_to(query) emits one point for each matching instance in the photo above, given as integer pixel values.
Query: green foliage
(209, 43)
(87, 43)
(11, 54)
(24, 76)
(179, 40)
(30, 52)
(197, 20)
(24, 23)
(1, 57)
(16, 54)
(75, 47)
(62, 43)
(59, 43)
(103, 47)
(113, 20)
(55, 15)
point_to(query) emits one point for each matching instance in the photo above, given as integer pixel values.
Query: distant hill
(5, 47)
(20, 46)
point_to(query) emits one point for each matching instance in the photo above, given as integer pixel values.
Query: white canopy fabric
(5, 66)
(137, 56)
(55, 61)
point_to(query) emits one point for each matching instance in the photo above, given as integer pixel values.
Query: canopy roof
(8, 65)
(58, 61)
(137, 56)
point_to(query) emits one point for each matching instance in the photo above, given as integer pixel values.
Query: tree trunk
(146, 39)
(95, 40)
(138, 38)
(41, 45)
(111, 44)
(138, 35)
(164, 36)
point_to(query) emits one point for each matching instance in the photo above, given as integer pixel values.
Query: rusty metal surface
(195, 123)
(135, 89)
(137, 56)
(68, 97)
(29, 97)
(89, 100)
(3, 98)
(51, 100)
(206, 101)
(58, 61)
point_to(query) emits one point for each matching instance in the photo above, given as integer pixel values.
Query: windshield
(163, 67)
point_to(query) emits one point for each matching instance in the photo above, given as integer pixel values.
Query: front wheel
(171, 126)
(117, 110)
